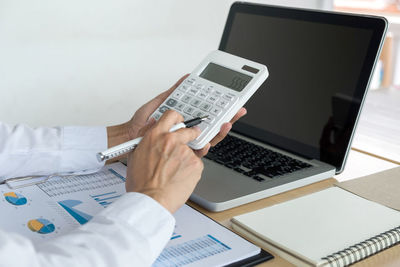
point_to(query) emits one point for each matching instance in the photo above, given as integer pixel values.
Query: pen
(126, 147)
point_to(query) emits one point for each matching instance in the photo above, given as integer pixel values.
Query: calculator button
(202, 95)
(184, 87)
(190, 81)
(186, 117)
(199, 86)
(156, 116)
(217, 93)
(193, 91)
(229, 97)
(216, 111)
(210, 119)
(171, 102)
(199, 113)
(180, 106)
(177, 94)
(186, 98)
(205, 106)
(195, 102)
(212, 99)
(222, 103)
(188, 110)
(209, 89)
(163, 109)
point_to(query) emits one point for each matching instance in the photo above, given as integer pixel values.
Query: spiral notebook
(332, 227)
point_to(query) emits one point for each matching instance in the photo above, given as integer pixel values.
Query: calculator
(217, 88)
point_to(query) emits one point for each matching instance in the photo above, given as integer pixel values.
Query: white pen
(126, 147)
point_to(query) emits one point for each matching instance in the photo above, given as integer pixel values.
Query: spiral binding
(364, 249)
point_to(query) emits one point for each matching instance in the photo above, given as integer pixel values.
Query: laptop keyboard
(252, 160)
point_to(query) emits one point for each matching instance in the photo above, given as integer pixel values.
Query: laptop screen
(319, 67)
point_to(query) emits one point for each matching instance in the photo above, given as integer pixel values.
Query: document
(59, 205)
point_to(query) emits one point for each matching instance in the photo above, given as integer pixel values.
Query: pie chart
(15, 198)
(41, 226)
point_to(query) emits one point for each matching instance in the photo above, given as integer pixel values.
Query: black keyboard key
(230, 165)
(252, 160)
(211, 156)
(239, 170)
(258, 178)
(219, 161)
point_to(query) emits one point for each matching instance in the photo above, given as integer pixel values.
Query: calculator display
(229, 78)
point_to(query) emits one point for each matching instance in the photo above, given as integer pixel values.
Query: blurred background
(95, 62)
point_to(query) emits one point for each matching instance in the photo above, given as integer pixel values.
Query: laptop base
(221, 188)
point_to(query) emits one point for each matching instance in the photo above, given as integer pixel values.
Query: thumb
(161, 97)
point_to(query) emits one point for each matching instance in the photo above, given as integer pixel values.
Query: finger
(180, 81)
(185, 135)
(149, 124)
(169, 119)
(238, 115)
(225, 128)
(154, 103)
(202, 152)
(166, 93)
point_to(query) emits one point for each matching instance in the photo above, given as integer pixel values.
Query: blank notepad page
(319, 224)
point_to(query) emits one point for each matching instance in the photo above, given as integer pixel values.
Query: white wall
(95, 62)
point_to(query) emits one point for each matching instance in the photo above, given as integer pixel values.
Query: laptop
(301, 121)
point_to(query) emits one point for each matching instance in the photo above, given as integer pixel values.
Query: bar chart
(106, 199)
(175, 236)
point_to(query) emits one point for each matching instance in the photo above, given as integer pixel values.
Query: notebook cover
(319, 224)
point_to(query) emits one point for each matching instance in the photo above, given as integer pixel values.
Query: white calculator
(218, 87)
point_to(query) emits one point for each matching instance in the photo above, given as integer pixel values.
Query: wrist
(158, 196)
(118, 134)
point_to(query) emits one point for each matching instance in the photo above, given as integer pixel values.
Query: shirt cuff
(80, 146)
(148, 217)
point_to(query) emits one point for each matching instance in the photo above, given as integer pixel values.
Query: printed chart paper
(59, 205)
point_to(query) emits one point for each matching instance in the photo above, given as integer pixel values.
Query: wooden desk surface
(389, 257)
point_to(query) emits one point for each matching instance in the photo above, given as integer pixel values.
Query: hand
(163, 166)
(130, 130)
(121, 133)
(225, 128)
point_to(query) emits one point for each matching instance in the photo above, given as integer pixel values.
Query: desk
(389, 257)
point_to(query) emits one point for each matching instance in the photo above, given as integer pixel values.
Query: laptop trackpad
(220, 184)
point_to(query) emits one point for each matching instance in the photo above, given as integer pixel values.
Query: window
(379, 126)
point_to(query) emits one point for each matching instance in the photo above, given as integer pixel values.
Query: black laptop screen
(318, 74)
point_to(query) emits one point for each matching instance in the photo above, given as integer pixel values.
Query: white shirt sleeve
(28, 151)
(130, 232)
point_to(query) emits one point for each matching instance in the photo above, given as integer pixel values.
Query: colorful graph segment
(78, 215)
(175, 236)
(15, 198)
(106, 198)
(41, 226)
